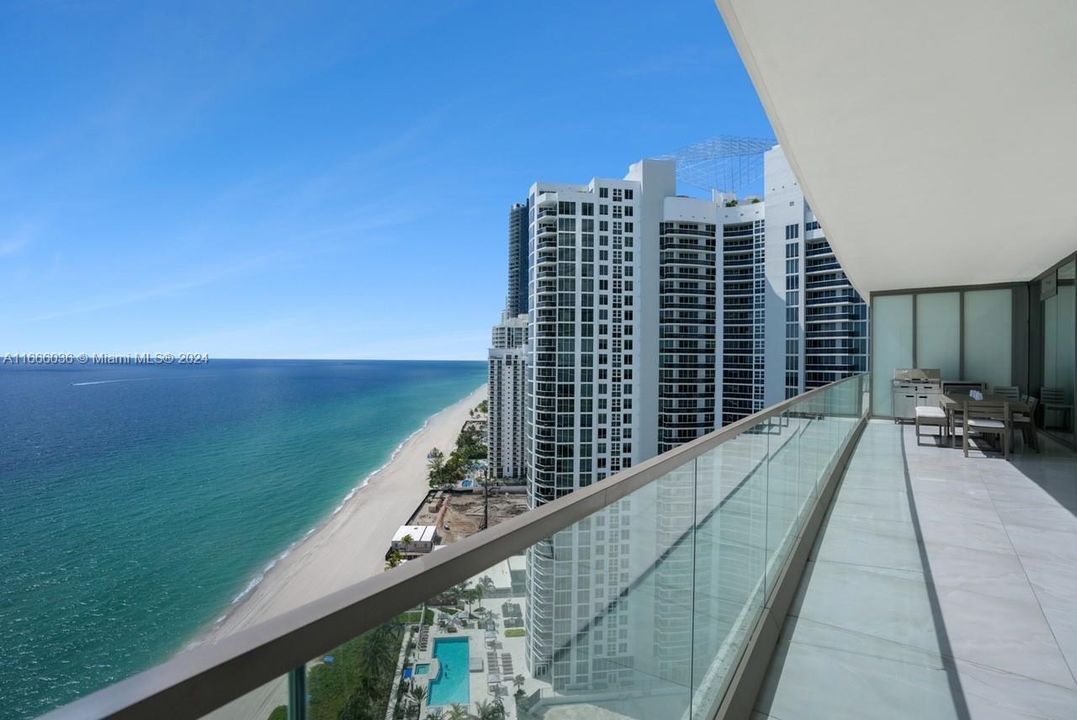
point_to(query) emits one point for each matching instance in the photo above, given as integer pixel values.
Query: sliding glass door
(1057, 295)
(968, 334)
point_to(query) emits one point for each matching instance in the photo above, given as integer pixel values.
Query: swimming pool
(452, 684)
(422, 669)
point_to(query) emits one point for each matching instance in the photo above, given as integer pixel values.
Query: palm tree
(486, 482)
(436, 462)
(356, 708)
(435, 715)
(519, 681)
(457, 712)
(435, 456)
(417, 694)
(487, 710)
(472, 595)
(378, 648)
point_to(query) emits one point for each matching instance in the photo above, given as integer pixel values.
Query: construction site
(457, 515)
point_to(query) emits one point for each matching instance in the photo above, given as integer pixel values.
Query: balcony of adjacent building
(546, 200)
(686, 259)
(816, 249)
(818, 263)
(738, 233)
(831, 297)
(828, 280)
(701, 301)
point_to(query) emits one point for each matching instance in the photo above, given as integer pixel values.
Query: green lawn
(356, 685)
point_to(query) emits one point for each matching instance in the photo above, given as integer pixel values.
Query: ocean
(137, 503)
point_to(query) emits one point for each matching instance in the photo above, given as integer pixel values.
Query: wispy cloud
(245, 340)
(682, 60)
(13, 246)
(172, 287)
(369, 165)
(18, 237)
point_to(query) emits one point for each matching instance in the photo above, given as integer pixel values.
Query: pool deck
(477, 647)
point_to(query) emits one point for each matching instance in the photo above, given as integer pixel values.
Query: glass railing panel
(809, 415)
(596, 618)
(834, 420)
(843, 410)
(830, 431)
(461, 654)
(360, 677)
(784, 493)
(610, 607)
(795, 422)
(768, 480)
(268, 702)
(642, 609)
(729, 575)
(865, 391)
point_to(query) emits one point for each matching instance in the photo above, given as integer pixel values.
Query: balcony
(947, 580)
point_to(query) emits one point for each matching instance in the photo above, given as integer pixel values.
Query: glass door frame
(1037, 336)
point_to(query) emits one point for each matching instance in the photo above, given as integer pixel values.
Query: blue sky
(312, 179)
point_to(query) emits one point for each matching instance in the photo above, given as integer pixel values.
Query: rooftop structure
(724, 164)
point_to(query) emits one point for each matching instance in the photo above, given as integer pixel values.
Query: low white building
(421, 539)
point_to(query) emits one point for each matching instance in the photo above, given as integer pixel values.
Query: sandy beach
(348, 548)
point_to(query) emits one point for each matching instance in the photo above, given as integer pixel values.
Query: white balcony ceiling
(936, 141)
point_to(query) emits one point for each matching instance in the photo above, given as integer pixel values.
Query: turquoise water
(422, 669)
(452, 684)
(138, 503)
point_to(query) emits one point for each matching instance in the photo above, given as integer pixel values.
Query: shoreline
(349, 544)
(260, 577)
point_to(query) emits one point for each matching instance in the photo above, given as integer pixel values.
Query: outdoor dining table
(955, 401)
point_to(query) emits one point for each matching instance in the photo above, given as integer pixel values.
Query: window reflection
(1059, 323)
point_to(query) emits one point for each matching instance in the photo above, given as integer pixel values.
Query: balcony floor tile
(938, 580)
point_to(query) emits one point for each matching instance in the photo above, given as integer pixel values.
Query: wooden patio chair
(1010, 392)
(1027, 424)
(1054, 400)
(987, 418)
(929, 416)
